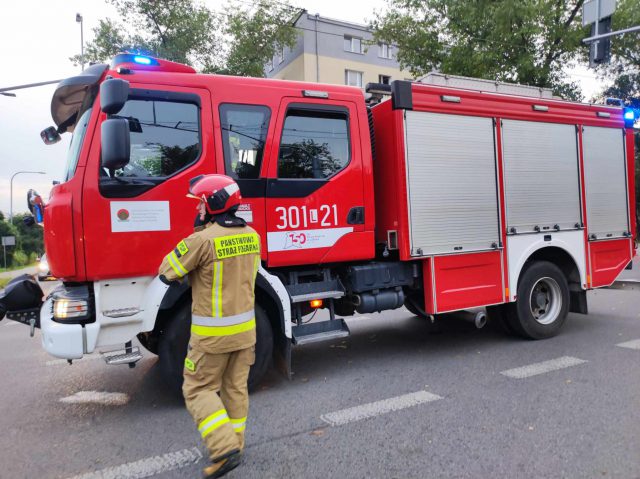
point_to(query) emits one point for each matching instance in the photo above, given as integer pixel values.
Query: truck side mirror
(116, 143)
(50, 135)
(35, 205)
(113, 95)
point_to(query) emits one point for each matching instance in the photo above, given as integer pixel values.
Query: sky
(37, 37)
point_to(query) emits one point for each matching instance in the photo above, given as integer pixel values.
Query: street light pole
(11, 190)
(79, 20)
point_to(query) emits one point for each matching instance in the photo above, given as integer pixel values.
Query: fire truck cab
(440, 199)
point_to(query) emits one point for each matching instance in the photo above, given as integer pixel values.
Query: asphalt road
(444, 405)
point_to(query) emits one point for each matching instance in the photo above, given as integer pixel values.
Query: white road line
(543, 367)
(88, 357)
(97, 397)
(378, 408)
(355, 319)
(634, 344)
(147, 467)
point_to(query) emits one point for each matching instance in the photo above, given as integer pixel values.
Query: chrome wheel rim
(545, 300)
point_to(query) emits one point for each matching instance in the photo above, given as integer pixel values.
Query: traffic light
(600, 51)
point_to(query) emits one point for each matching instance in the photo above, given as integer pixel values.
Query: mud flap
(282, 355)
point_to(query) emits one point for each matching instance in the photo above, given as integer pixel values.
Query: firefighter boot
(223, 465)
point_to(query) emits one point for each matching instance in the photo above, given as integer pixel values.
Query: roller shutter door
(605, 182)
(542, 182)
(451, 182)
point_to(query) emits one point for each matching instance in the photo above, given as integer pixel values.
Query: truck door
(132, 217)
(315, 202)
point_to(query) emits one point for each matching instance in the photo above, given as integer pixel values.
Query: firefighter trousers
(216, 395)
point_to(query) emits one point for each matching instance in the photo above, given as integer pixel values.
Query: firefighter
(221, 260)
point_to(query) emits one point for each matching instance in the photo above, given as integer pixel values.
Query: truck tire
(173, 344)
(415, 305)
(543, 301)
(499, 316)
(264, 349)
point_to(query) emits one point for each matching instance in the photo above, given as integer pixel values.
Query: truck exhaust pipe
(478, 318)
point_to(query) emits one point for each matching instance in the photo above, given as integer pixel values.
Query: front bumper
(64, 341)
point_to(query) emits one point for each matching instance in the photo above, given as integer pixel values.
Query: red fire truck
(440, 199)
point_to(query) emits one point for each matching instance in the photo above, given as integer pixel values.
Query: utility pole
(80, 21)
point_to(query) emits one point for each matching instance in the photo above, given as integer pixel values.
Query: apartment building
(338, 52)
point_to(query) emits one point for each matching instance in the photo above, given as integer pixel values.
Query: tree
(256, 34)
(524, 41)
(238, 40)
(7, 229)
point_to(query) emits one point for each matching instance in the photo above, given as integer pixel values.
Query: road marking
(147, 467)
(634, 344)
(88, 357)
(97, 397)
(356, 319)
(543, 367)
(378, 408)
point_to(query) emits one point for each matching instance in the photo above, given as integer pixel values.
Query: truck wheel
(543, 301)
(175, 339)
(264, 349)
(499, 315)
(415, 305)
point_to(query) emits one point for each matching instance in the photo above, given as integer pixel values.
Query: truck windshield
(76, 143)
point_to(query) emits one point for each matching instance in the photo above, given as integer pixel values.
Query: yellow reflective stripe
(178, 263)
(239, 425)
(173, 266)
(190, 365)
(223, 330)
(213, 422)
(219, 292)
(236, 245)
(216, 290)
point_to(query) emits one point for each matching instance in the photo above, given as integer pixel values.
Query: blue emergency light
(629, 116)
(142, 60)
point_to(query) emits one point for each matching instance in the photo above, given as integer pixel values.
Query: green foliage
(20, 258)
(524, 41)
(177, 30)
(238, 40)
(29, 242)
(31, 237)
(7, 229)
(257, 34)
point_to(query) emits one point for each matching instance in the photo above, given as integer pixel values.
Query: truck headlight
(72, 304)
(70, 308)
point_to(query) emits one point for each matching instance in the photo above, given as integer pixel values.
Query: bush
(20, 258)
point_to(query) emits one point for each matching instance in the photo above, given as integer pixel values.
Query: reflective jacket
(221, 264)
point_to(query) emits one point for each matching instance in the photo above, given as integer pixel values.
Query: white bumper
(60, 340)
(124, 308)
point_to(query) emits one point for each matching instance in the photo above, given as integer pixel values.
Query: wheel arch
(274, 298)
(570, 267)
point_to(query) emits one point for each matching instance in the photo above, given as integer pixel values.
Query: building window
(384, 79)
(353, 78)
(384, 50)
(315, 144)
(244, 132)
(353, 44)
